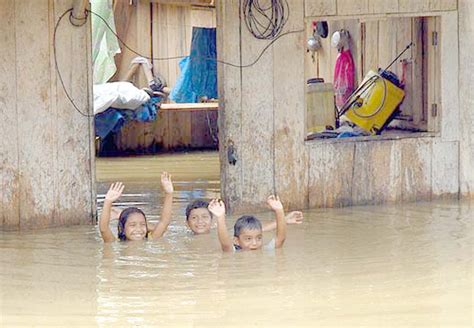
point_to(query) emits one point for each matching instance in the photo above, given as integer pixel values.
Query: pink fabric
(344, 74)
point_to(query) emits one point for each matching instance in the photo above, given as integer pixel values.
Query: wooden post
(79, 12)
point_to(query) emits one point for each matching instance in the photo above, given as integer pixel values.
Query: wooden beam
(185, 2)
(79, 12)
(188, 107)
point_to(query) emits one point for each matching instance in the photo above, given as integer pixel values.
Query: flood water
(381, 266)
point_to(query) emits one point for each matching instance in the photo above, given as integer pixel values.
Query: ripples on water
(407, 265)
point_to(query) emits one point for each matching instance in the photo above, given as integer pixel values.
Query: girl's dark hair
(123, 219)
(246, 222)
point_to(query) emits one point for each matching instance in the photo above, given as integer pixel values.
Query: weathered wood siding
(266, 126)
(264, 113)
(466, 99)
(47, 166)
(161, 31)
(365, 7)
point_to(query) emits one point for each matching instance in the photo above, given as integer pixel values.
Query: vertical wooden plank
(92, 141)
(129, 37)
(122, 16)
(9, 168)
(311, 64)
(353, 26)
(466, 81)
(319, 8)
(137, 37)
(370, 48)
(290, 156)
(387, 42)
(160, 50)
(445, 172)
(257, 121)
(72, 143)
(173, 42)
(160, 40)
(432, 76)
(179, 123)
(230, 99)
(36, 131)
(143, 36)
(383, 6)
(377, 172)
(331, 174)
(417, 72)
(416, 169)
(404, 37)
(449, 75)
(324, 56)
(144, 46)
(350, 7)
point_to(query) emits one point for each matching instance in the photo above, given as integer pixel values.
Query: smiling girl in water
(132, 224)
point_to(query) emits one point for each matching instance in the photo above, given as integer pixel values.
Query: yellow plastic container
(376, 103)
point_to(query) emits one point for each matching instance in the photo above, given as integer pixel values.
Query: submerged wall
(263, 120)
(47, 160)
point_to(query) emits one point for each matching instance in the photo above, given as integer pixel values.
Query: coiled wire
(265, 19)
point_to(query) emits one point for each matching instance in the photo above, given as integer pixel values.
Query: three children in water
(132, 223)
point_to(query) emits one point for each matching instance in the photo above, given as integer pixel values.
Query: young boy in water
(199, 218)
(132, 224)
(248, 229)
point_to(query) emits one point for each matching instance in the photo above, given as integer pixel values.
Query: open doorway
(178, 133)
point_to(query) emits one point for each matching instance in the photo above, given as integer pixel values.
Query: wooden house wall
(466, 100)
(161, 31)
(263, 117)
(47, 168)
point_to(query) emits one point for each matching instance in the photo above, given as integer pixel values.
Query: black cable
(57, 66)
(265, 22)
(148, 57)
(197, 57)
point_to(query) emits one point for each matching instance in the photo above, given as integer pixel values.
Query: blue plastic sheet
(113, 119)
(198, 76)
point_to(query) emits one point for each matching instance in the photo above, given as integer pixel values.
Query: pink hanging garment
(344, 73)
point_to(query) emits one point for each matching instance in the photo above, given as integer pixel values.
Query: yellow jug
(373, 103)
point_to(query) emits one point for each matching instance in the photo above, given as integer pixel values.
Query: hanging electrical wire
(279, 17)
(265, 19)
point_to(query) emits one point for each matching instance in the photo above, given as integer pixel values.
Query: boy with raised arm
(248, 229)
(199, 218)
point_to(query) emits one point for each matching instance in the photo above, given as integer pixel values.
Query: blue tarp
(113, 119)
(198, 76)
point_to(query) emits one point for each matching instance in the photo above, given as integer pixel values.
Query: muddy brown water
(381, 266)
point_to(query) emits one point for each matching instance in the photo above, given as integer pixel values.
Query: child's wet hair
(196, 204)
(123, 220)
(248, 222)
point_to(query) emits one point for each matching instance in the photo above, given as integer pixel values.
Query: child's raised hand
(295, 217)
(115, 191)
(274, 203)
(166, 183)
(217, 208)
